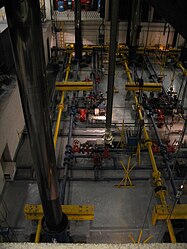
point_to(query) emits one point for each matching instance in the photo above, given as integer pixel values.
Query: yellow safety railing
(156, 173)
(61, 104)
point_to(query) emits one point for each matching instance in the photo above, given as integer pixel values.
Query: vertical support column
(135, 29)
(26, 36)
(111, 67)
(78, 31)
(48, 9)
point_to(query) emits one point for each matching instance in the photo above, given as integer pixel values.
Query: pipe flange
(66, 159)
(66, 164)
(108, 138)
(160, 189)
(156, 176)
(61, 106)
(55, 230)
(68, 153)
(68, 147)
(148, 141)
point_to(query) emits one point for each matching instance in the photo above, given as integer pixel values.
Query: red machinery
(106, 153)
(160, 118)
(76, 146)
(155, 148)
(82, 115)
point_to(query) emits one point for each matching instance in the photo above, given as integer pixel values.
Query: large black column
(112, 61)
(135, 29)
(25, 29)
(78, 31)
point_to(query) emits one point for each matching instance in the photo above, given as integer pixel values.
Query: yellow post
(132, 239)
(140, 236)
(61, 104)
(146, 240)
(38, 231)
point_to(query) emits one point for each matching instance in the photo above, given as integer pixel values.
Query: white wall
(11, 125)
(90, 33)
(46, 34)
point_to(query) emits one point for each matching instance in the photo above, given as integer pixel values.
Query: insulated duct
(25, 30)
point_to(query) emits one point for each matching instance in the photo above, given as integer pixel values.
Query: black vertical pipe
(129, 24)
(135, 29)
(78, 31)
(66, 167)
(26, 36)
(112, 61)
(175, 37)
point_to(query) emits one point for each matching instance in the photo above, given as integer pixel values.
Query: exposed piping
(66, 166)
(160, 190)
(24, 23)
(61, 104)
(111, 67)
(165, 156)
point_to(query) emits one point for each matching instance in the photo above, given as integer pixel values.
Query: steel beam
(74, 212)
(149, 87)
(25, 29)
(161, 212)
(74, 86)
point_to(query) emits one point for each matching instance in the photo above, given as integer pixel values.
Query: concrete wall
(90, 33)
(47, 34)
(11, 125)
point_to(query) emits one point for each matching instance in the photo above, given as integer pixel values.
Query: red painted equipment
(82, 115)
(76, 146)
(97, 158)
(155, 148)
(160, 118)
(106, 153)
(171, 148)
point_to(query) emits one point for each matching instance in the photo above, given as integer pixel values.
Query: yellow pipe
(146, 240)
(38, 231)
(156, 173)
(140, 236)
(179, 64)
(61, 104)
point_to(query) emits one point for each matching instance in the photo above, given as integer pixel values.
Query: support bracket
(73, 212)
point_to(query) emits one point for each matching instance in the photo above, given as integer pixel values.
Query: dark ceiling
(174, 12)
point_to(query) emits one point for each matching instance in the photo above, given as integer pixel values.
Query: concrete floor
(118, 212)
